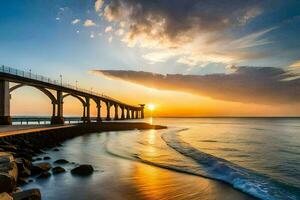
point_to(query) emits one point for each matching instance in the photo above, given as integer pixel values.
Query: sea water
(258, 156)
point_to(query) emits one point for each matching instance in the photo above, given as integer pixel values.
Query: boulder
(46, 158)
(22, 181)
(61, 161)
(37, 159)
(24, 167)
(33, 194)
(9, 148)
(83, 170)
(8, 172)
(7, 183)
(40, 168)
(56, 149)
(58, 170)
(44, 175)
(26, 163)
(5, 196)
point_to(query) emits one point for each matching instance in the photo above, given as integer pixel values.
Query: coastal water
(257, 156)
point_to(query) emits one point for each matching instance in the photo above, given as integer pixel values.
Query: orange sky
(29, 101)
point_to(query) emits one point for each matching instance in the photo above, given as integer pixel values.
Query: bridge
(57, 91)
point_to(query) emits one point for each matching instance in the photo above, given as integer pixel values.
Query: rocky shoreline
(17, 154)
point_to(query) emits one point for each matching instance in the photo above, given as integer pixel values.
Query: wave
(245, 180)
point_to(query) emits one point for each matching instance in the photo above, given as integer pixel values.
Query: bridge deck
(23, 129)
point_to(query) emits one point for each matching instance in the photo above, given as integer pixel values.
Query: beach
(119, 178)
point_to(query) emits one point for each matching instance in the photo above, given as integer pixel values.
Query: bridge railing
(33, 76)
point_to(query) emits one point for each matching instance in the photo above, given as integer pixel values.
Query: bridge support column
(58, 119)
(132, 114)
(142, 110)
(53, 109)
(99, 111)
(84, 111)
(5, 118)
(127, 113)
(108, 111)
(136, 114)
(87, 114)
(122, 114)
(116, 111)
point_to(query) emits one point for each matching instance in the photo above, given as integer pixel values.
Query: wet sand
(117, 178)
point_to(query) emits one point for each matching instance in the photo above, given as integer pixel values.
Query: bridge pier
(116, 112)
(98, 110)
(108, 110)
(136, 114)
(5, 118)
(122, 114)
(142, 111)
(127, 113)
(58, 119)
(86, 118)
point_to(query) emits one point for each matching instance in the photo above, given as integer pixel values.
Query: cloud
(75, 21)
(98, 5)
(89, 23)
(196, 32)
(260, 85)
(108, 29)
(296, 64)
(120, 32)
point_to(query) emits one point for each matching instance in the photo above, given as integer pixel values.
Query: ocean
(256, 156)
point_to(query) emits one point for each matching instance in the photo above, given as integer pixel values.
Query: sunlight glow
(151, 107)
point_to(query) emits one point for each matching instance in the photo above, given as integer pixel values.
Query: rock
(40, 168)
(24, 167)
(26, 163)
(83, 170)
(56, 149)
(7, 183)
(22, 181)
(44, 175)
(46, 158)
(5, 196)
(61, 161)
(18, 189)
(33, 194)
(9, 148)
(58, 170)
(8, 172)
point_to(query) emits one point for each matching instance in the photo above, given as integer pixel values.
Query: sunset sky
(188, 57)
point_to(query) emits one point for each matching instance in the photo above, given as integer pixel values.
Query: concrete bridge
(57, 91)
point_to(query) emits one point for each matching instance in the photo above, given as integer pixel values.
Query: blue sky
(38, 34)
(72, 37)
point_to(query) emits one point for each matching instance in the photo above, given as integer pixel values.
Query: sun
(151, 107)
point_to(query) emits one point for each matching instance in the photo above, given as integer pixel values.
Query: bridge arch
(45, 91)
(83, 102)
(75, 96)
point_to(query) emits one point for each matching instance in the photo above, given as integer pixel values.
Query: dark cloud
(181, 17)
(262, 85)
(193, 32)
